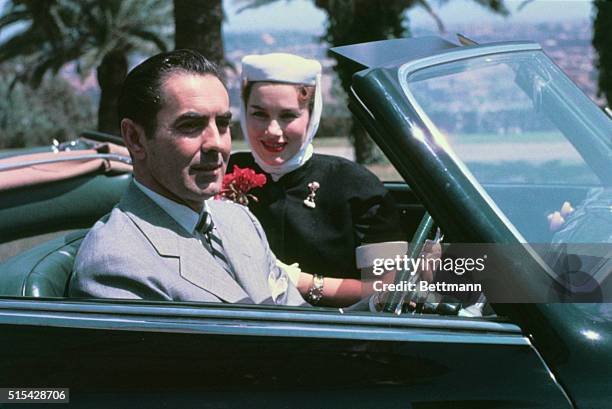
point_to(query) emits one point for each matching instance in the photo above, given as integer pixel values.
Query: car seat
(43, 271)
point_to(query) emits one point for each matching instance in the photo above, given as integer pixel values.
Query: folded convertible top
(45, 167)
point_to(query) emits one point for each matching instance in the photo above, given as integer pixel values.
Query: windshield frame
(407, 71)
(409, 68)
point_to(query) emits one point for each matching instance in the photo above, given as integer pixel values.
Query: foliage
(602, 41)
(30, 117)
(93, 33)
(60, 31)
(336, 119)
(358, 21)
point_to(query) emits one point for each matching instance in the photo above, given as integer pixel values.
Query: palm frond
(152, 37)
(253, 4)
(38, 72)
(27, 42)
(497, 6)
(13, 17)
(433, 14)
(84, 31)
(523, 4)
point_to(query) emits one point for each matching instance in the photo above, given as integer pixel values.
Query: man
(165, 240)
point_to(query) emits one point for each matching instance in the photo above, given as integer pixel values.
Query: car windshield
(538, 146)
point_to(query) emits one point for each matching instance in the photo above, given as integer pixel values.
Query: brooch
(309, 201)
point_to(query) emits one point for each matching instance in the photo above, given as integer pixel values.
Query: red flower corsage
(236, 185)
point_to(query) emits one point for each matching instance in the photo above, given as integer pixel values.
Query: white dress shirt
(183, 215)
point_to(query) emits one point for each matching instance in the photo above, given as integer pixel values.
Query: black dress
(352, 208)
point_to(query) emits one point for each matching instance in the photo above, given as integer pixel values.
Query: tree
(97, 34)
(198, 26)
(602, 42)
(358, 21)
(30, 117)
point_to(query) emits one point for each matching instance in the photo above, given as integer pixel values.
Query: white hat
(291, 69)
(280, 67)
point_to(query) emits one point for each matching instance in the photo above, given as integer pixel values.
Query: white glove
(293, 271)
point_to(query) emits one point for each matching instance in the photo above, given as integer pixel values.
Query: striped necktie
(212, 242)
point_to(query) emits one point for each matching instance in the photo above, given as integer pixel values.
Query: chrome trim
(551, 374)
(463, 53)
(234, 320)
(363, 106)
(68, 146)
(240, 327)
(109, 156)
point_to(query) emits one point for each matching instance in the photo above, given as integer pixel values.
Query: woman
(315, 209)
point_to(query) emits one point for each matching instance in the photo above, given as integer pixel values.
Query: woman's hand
(293, 271)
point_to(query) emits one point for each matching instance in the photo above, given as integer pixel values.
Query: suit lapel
(238, 248)
(169, 239)
(162, 231)
(199, 267)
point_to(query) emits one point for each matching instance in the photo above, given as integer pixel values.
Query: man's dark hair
(140, 99)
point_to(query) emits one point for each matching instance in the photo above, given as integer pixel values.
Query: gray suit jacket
(140, 252)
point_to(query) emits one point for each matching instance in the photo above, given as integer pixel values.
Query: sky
(304, 16)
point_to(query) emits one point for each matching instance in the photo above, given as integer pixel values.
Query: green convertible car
(497, 148)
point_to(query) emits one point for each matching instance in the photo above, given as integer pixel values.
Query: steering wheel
(416, 247)
(440, 306)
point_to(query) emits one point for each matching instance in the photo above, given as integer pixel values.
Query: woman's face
(276, 121)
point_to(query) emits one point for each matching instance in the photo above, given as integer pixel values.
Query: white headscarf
(290, 69)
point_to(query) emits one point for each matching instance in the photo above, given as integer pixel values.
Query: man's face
(186, 158)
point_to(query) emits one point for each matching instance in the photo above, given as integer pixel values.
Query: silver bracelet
(315, 292)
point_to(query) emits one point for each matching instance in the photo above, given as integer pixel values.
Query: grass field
(523, 137)
(336, 141)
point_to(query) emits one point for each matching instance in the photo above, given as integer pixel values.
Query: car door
(119, 354)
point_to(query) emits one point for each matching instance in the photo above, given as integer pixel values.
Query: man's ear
(134, 138)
